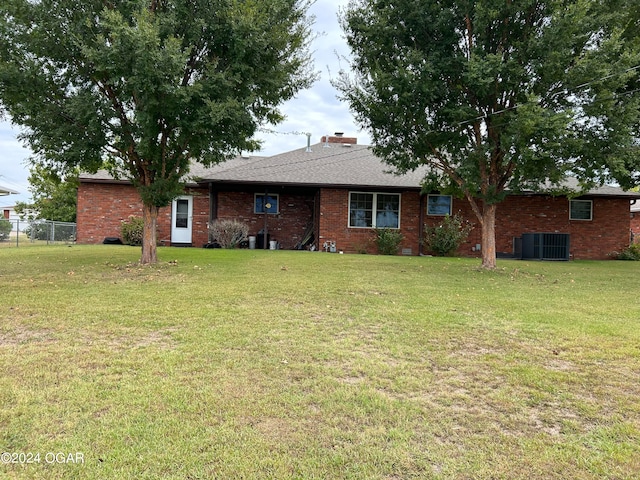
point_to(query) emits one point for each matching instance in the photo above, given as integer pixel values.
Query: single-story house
(7, 191)
(331, 195)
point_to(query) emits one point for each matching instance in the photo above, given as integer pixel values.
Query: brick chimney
(339, 137)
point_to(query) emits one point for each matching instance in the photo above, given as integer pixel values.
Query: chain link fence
(44, 232)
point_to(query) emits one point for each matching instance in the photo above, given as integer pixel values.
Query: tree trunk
(489, 236)
(149, 237)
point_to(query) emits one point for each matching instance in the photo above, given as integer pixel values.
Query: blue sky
(316, 110)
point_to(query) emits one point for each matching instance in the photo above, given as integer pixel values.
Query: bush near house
(388, 241)
(228, 233)
(132, 230)
(446, 237)
(5, 229)
(632, 252)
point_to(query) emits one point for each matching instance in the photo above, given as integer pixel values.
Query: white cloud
(317, 110)
(13, 169)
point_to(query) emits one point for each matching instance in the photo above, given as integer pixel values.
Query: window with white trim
(439, 205)
(268, 206)
(374, 210)
(580, 209)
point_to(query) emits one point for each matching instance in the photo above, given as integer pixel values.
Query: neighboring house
(331, 195)
(21, 222)
(10, 214)
(7, 191)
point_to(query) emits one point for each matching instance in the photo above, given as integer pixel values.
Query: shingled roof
(342, 165)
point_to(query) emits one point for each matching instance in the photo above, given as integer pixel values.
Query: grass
(282, 365)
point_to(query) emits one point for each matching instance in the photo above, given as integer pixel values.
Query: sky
(316, 110)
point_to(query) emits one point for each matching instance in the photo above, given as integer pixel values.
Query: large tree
(145, 87)
(496, 96)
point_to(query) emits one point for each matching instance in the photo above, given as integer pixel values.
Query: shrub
(5, 229)
(388, 241)
(446, 237)
(132, 230)
(632, 252)
(37, 230)
(228, 233)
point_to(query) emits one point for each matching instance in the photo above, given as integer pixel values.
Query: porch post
(264, 207)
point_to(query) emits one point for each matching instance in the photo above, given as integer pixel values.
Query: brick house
(330, 196)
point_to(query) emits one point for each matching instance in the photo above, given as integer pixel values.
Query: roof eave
(342, 186)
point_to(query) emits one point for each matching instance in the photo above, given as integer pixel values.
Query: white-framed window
(580, 209)
(271, 205)
(374, 210)
(439, 205)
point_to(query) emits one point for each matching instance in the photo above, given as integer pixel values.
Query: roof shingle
(337, 165)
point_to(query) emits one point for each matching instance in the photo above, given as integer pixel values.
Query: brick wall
(339, 139)
(608, 231)
(102, 207)
(200, 215)
(334, 219)
(286, 227)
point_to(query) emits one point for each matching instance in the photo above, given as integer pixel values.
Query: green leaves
(513, 81)
(149, 86)
(498, 96)
(152, 83)
(54, 194)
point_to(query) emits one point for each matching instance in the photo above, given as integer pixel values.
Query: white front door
(181, 219)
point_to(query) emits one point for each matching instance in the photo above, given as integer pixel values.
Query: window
(439, 205)
(374, 210)
(580, 210)
(270, 206)
(182, 213)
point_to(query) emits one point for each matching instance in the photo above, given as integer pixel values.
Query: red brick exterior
(287, 227)
(102, 207)
(608, 231)
(334, 223)
(339, 139)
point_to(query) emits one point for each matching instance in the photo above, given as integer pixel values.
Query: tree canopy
(145, 87)
(497, 96)
(54, 196)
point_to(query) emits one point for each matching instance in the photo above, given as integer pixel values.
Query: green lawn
(279, 365)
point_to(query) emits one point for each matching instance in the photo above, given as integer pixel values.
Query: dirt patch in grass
(161, 339)
(22, 335)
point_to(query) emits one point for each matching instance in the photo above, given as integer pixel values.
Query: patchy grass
(262, 364)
